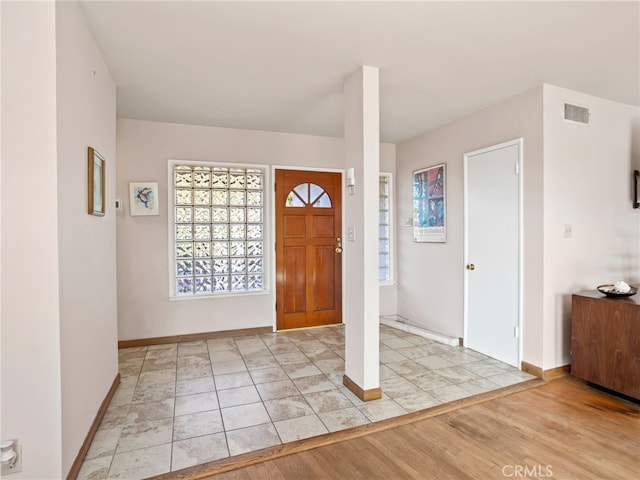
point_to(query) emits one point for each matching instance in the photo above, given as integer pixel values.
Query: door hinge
(516, 332)
(276, 306)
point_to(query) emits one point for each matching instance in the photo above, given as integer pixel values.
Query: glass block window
(384, 229)
(218, 239)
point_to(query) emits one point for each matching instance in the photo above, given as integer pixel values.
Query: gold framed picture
(96, 183)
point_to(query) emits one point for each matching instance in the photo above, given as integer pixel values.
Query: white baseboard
(396, 321)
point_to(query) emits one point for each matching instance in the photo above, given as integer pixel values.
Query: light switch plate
(351, 234)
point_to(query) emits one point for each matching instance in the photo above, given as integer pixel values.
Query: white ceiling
(279, 66)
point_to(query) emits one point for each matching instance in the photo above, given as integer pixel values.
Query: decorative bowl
(610, 291)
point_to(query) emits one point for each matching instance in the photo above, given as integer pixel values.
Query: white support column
(361, 290)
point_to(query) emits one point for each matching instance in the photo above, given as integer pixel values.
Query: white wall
(31, 392)
(573, 174)
(86, 113)
(588, 184)
(430, 275)
(144, 309)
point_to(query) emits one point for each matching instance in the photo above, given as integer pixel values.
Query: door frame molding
(520, 143)
(272, 228)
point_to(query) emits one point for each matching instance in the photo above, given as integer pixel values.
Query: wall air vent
(576, 113)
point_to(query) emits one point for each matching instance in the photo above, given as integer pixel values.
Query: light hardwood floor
(561, 430)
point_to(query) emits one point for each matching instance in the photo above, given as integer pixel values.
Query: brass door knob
(338, 249)
(471, 266)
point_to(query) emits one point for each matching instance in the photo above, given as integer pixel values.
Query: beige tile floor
(184, 404)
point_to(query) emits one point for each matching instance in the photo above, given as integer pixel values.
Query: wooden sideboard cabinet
(605, 341)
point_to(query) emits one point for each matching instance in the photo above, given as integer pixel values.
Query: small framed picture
(636, 202)
(96, 183)
(144, 198)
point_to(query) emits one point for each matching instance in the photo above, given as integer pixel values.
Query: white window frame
(391, 279)
(266, 231)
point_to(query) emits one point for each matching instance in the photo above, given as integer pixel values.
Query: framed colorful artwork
(430, 205)
(143, 198)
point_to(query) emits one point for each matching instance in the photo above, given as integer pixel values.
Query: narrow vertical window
(218, 232)
(384, 230)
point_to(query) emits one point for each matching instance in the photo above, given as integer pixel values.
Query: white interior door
(492, 251)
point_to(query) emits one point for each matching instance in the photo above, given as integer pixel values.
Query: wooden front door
(308, 249)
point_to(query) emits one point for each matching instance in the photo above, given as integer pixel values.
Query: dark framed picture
(96, 183)
(636, 174)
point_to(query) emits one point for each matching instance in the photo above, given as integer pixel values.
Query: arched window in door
(308, 194)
